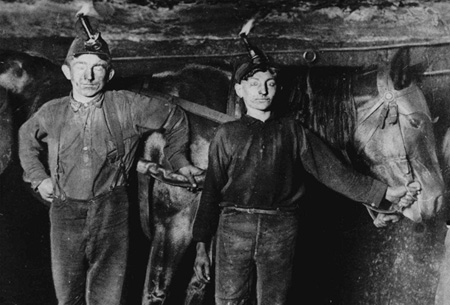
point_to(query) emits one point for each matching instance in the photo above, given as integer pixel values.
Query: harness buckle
(388, 96)
(413, 187)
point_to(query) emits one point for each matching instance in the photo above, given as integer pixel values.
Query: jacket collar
(97, 102)
(248, 120)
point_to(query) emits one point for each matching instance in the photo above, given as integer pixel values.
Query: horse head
(395, 138)
(15, 81)
(31, 80)
(379, 118)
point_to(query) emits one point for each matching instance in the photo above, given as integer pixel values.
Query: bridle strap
(387, 101)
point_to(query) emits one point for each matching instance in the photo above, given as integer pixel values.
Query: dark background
(338, 242)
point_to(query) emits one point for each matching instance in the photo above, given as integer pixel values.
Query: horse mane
(323, 98)
(323, 101)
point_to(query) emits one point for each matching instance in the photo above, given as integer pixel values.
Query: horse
(27, 81)
(378, 120)
(167, 208)
(340, 104)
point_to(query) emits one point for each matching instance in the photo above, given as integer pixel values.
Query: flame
(247, 27)
(87, 9)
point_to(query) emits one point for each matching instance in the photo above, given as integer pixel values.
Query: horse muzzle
(426, 207)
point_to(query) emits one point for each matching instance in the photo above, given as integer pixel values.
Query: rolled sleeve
(376, 193)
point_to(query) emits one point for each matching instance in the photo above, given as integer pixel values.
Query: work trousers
(249, 243)
(89, 248)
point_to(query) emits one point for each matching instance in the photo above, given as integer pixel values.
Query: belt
(259, 211)
(116, 190)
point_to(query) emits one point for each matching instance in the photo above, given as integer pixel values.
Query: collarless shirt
(83, 136)
(263, 165)
(82, 153)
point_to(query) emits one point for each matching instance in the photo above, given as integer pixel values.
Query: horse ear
(400, 71)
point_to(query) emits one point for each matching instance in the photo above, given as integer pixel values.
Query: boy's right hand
(202, 264)
(45, 189)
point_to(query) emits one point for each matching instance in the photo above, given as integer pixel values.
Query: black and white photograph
(202, 152)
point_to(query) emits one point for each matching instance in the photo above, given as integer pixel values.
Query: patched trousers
(249, 244)
(89, 248)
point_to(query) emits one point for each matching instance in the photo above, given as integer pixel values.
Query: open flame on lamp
(256, 55)
(247, 27)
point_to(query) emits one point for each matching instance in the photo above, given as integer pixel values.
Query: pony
(377, 119)
(167, 209)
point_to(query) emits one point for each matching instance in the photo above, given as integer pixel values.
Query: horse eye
(415, 122)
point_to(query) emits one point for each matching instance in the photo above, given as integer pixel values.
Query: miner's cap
(252, 66)
(81, 46)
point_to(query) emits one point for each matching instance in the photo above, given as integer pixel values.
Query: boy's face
(257, 91)
(88, 74)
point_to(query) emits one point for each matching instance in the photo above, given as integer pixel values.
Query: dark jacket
(263, 165)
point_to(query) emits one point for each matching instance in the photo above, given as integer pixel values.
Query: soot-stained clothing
(262, 165)
(82, 150)
(89, 233)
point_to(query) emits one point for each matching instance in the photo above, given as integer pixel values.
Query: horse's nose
(430, 208)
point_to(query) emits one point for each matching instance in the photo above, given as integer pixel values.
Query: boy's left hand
(190, 171)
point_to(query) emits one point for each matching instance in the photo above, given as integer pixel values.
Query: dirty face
(257, 92)
(88, 74)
